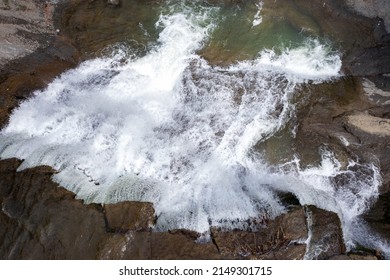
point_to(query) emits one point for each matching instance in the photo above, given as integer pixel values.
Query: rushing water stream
(167, 126)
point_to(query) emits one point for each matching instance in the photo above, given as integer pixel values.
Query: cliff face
(40, 220)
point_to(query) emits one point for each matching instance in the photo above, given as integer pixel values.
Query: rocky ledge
(24, 27)
(41, 220)
(32, 51)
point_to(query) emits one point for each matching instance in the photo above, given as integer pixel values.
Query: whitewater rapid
(172, 129)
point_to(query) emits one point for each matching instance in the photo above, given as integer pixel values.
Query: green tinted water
(237, 38)
(98, 30)
(95, 26)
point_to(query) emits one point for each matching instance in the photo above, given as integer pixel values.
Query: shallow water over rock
(235, 80)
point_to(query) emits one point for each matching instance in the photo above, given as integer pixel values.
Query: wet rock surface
(372, 8)
(282, 238)
(362, 40)
(44, 221)
(125, 216)
(25, 26)
(19, 78)
(347, 119)
(97, 27)
(351, 257)
(356, 126)
(326, 238)
(370, 61)
(379, 216)
(40, 220)
(31, 54)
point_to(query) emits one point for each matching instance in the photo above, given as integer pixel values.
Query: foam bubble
(258, 19)
(312, 61)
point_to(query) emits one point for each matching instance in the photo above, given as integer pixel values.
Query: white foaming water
(312, 61)
(258, 19)
(349, 193)
(171, 129)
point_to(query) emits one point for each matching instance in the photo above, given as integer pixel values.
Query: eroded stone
(126, 216)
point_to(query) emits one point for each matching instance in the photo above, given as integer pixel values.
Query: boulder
(129, 216)
(41, 220)
(25, 26)
(181, 244)
(378, 217)
(128, 246)
(283, 238)
(176, 245)
(303, 233)
(372, 129)
(326, 237)
(370, 61)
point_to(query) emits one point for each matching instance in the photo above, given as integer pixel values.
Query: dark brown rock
(346, 111)
(326, 237)
(350, 257)
(344, 26)
(93, 26)
(373, 133)
(7, 169)
(326, 119)
(129, 246)
(181, 245)
(44, 221)
(378, 216)
(126, 216)
(21, 77)
(283, 238)
(40, 220)
(362, 39)
(370, 61)
(308, 232)
(295, 251)
(157, 245)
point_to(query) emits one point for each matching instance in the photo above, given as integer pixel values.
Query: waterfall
(170, 128)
